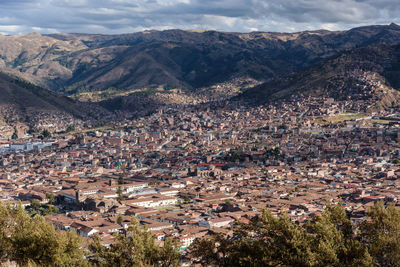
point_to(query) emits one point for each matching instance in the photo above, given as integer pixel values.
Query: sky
(126, 16)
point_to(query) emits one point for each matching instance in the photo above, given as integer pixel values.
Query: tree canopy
(330, 239)
(33, 241)
(135, 248)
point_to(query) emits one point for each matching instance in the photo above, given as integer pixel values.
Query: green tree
(5, 245)
(50, 197)
(14, 135)
(381, 232)
(33, 241)
(215, 251)
(168, 255)
(70, 128)
(120, 220)
(51, 209)
(333, 242)
(46, 133)
(136, 248)
(121, 180)
(120, 195)
(266, 241)
(276, 241)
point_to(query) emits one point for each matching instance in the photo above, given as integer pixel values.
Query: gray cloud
(120, 16)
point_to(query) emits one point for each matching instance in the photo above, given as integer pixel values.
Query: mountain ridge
(74, 63)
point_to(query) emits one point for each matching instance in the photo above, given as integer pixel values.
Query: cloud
(120, 16)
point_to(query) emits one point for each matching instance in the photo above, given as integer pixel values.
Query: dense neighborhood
(188, 172)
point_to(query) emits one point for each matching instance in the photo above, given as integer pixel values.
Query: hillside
(369, 74)
(174, 58)
(23, 102)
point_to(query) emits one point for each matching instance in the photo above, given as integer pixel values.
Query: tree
(51, 209)
(70, 128)
(35, 204)
(215, 250)
(136, 248)
(46, 133)
(282, 126)
(50, 197)
(120, 195)
(168, 255)
(120, 220)
(228, 202)
(187, 199)
(266, 241)
(121, 180)
(5, 245)
(381, 232)
(333, 242)
(33, 241)
(277, 241)
(14, 135)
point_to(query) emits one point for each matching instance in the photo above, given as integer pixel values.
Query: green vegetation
(70, 128)
(31, 241)
(234, 155)
(274, 152)
(45, 134)
(34, 242)
(14, 135)
(120, 195)
(109, 93)
(42, 209)
(339, 118)
(282, 127)
(136, 249)
(327, 240)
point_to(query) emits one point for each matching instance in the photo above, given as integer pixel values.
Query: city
(199, 133)
(190, 172)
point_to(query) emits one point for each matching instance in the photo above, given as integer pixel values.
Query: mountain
(370, 74)
(75, 63)
(23, 100)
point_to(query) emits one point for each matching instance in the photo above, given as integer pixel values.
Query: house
(83, 230)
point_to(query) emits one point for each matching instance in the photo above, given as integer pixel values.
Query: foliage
(70, 128)
(234, 156)
(329, 239)
(274, 153)
(14, 135)
(37, 208)
(136, 248)
(33, 241)
(282, 126)
(46, 133)
(50, 197)
(268, 240)
(120, 220)
(120, 194)
(381, 232)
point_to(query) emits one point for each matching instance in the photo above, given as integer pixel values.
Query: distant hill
(24, 99)
(369, 73)
(174, 58)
